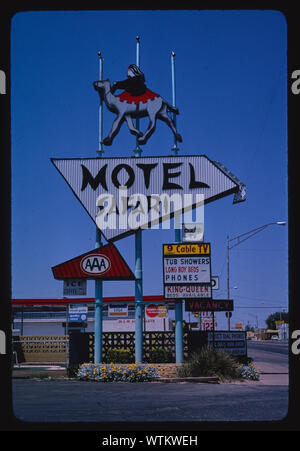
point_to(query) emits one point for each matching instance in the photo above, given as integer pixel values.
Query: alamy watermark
(147, 212)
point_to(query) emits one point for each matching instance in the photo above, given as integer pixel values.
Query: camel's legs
(163, 115)
(131, 127)
(151, 127)
(114, 130)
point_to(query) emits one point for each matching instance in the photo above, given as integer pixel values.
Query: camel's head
(101, 84)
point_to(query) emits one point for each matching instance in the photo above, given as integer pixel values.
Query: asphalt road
(67, 401)
(271, 356)
(88, 402)
(277, 347)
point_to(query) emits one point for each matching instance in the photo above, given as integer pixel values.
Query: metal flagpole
(178, 303)
(137, 149)
(67, 333)
(99, 283)
(228, 289)
(138, 263)
(175, 147)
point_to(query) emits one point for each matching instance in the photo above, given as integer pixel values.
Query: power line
(257, 299)
(261, 250)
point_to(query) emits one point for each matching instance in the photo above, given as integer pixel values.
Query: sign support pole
(174, 148)
(99, 283)
(138, 261)
(67, 333)
(178, 303)
(228, 289)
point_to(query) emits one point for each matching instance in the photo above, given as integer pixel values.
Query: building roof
(67, 301)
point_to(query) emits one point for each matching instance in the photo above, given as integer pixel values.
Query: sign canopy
(116, 185)
(104, 263)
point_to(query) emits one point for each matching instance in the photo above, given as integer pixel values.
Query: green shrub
(210, 362)
(119, 356)
(72, 370)
(160, 356)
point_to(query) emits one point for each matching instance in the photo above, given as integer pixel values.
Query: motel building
(60, 316)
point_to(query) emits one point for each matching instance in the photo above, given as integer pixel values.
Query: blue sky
(231, 93)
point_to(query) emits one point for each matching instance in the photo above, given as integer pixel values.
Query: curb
(212, 379)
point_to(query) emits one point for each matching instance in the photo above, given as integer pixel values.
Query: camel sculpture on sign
(127, 107)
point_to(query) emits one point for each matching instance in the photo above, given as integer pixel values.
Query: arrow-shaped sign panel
(123, 194)
(104, 263)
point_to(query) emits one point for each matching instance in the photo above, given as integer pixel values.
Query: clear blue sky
(231, 93)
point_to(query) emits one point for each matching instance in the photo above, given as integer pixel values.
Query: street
(272, 356)
(71, 400)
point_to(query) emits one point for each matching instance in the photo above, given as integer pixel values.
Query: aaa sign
(105, 263)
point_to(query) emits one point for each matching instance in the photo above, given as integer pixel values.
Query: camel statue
(128, 107)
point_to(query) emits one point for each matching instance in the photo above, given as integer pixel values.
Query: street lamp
(245, 236)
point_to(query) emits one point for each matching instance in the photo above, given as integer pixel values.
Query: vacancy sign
(124, 194)
(187, 270)
(104, 263)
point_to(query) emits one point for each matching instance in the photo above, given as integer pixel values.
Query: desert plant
(210, 362)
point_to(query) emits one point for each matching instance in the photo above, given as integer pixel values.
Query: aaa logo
(95, 264)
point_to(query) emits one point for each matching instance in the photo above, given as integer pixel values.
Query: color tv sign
(187, 271)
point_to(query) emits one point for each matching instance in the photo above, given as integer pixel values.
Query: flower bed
(117, 373)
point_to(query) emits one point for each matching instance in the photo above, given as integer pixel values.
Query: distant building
(283, 331)
(50, 316)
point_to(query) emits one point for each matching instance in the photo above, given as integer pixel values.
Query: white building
(53, 317)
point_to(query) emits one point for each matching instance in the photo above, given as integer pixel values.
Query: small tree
(277, 316)
(249, 328)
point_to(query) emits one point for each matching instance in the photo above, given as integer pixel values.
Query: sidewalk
(272, 374)
(24, 371)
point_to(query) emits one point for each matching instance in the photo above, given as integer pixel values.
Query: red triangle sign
(104, 263)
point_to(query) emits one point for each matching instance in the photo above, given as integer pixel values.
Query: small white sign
(185, 270)
(187, 291)
(78, 308)
(215, 282)
(193, 231)
(78, 312)
(74, 287)
(118, 311)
